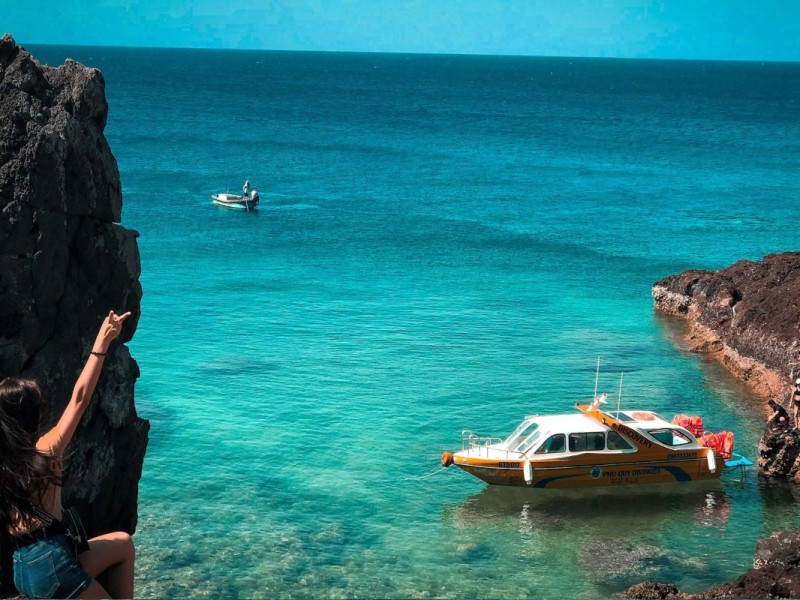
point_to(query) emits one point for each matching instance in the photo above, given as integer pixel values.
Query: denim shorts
(49, 569)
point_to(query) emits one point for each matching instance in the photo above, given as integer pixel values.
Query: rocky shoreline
(747, 317)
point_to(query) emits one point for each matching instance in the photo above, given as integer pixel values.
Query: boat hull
(673, 456)
(234, 201)
(600, 473)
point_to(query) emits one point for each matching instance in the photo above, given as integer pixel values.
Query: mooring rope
(428, 475)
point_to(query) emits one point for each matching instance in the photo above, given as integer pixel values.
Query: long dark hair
(25, 472)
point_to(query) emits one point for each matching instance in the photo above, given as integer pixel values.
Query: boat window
(617, 442)
(581, 442)
(525, 429)
(555, 443)
(670, 437)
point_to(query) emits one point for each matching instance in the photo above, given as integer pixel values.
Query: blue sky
(701, 29)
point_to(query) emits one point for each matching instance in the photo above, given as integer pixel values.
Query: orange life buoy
(447, 459)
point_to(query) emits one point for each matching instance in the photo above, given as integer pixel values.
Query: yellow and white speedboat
(592, 448)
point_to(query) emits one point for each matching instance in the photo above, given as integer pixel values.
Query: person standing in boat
(246, 189)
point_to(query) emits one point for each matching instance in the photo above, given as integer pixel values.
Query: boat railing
(480, 443)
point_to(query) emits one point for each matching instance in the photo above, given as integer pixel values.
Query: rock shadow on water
(475, 552)
(158, 411)
(236, 366)
(780, 500)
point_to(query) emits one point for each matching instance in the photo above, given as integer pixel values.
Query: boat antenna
(619, 398)
(596, 377)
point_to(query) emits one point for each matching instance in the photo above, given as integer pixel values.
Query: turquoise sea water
(444, 243)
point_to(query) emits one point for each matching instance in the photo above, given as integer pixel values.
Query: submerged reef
(64, 263)
(775, 574)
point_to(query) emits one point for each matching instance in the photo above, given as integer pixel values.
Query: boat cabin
(574, 433)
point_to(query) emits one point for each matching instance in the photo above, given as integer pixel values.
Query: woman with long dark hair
(46, 563)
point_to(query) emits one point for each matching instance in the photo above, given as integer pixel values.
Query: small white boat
(235, 201)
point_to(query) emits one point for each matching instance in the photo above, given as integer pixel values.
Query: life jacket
(693, 424)
(722, 441)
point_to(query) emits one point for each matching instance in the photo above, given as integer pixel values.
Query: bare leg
(113, 552)
(95, 590)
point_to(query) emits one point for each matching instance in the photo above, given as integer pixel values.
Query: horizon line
(410, 53)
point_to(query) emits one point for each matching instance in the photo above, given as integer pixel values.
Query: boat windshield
(670, 437)
(530, 441)
(521, 434)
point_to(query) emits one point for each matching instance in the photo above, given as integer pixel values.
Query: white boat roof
(568, 423)
(642, 420)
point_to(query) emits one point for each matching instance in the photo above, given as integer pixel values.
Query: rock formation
(64, 263)
(746, 315)
(779, 447)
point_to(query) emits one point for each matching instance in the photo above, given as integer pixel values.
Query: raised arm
(56, 440)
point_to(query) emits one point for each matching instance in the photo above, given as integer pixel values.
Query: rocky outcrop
(779, 447)
(747, 316)
(64, 263)
(775, 574)
(654, 591)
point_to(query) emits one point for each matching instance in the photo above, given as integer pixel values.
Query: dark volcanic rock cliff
(747, 315)
(64, 263)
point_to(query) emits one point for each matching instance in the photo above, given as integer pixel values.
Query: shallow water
(444, 243)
